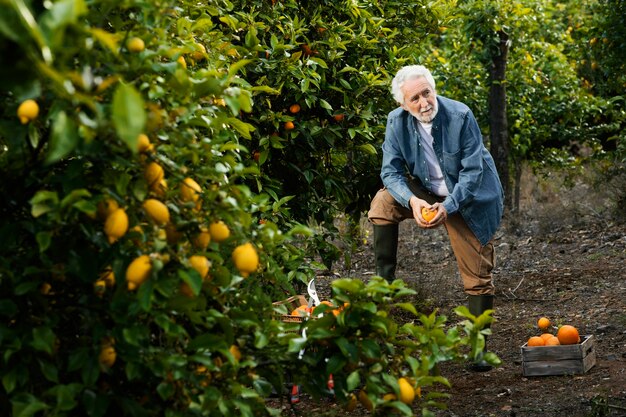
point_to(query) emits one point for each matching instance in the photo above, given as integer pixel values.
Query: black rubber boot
(477, 305)
(386, 250)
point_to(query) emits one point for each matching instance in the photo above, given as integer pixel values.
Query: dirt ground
(564, 258)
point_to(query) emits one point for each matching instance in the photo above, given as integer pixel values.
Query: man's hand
(416, 207)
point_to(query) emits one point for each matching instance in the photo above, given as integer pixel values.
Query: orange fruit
(546, 336)
(543, 323)
(338, 117)
(302, 310)
(552, 341)
(568, 335)
(289, 126)
(328, 303)
(428, 214)
(294, 108)
(536, 341)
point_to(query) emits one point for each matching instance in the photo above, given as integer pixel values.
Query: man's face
(420, 99)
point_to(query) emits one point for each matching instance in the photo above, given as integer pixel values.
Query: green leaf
(192, 278)
(348, 349)
(66, 395)
(348, 285)
(63, 139)
(26, 405)
(235, 67)
(43, 202)
(368, 148)
(74, 196)
(251, 39)
(63, 13)
(109, 40)
(77, 359)
(9, 380)
(319, 61)
(325, 104)
(90, 372)
(43, 241)
(408, 307)
(260, 339)
(242, 128)
(49, 371)
(165, 390)
(129, 117)
(43, 339)
(354, 380)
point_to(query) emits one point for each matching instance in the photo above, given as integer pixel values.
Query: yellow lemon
(351, 404)
(107, 356)
(201, 264)
(116, 225)
(407, 392)
(28, 111)
(234, 350)
(108, 277)
(135, 45)
(202, 239)
(246, 259)
(138, 271)
(365, 401)
(106, 207)
(143, 143)
(190, 190)
(45, 288)
(153, 174)
(157, 211)
(159, 189)
(199, 54)
(182, 62)
(389, 397)
(99, 287)
(219, 231)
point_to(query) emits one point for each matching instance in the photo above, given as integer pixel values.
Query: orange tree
(319, 121)
(139, 265)
(552, 104)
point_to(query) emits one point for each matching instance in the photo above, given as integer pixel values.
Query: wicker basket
(292, 303)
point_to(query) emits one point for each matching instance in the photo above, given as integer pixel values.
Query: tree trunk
(499, 127)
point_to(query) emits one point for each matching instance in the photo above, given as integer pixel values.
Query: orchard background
(250, 127)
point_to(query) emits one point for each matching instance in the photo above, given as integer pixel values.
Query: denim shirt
(468, 169)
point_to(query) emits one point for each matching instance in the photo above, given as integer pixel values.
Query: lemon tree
(143, 247)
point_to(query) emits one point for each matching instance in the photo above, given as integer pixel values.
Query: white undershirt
(435, 175)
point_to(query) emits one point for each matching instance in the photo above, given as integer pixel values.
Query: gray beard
(428, 119)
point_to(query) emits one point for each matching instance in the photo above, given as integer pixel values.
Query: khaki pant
(475, 261)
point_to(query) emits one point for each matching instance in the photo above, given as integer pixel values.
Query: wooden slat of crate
(559, 360)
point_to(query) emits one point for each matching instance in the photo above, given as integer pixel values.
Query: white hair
(408, 73)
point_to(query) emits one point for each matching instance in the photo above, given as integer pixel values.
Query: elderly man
(434, 159)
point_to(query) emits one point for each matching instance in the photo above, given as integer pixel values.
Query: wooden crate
(292, 303)
(559, 360)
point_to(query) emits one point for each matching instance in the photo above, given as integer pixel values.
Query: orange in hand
(428, 214)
